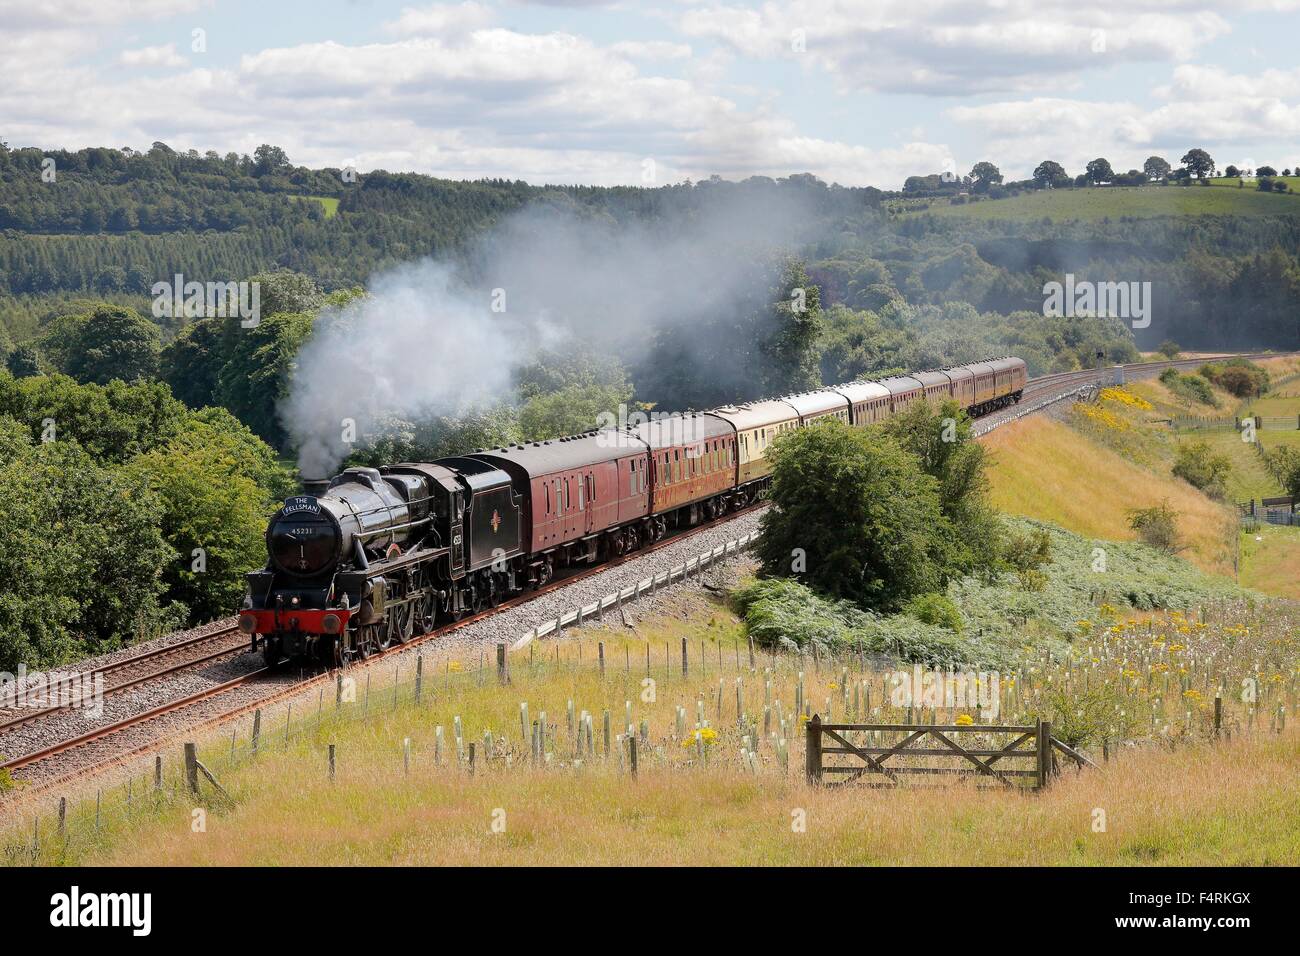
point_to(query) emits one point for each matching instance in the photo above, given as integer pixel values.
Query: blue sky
(862, 92)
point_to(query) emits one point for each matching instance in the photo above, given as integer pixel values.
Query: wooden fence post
(419, 676)
(600, 653)
(1218, 714)
(1044, 748)
(157, 772)
(631, 753)
(257, 729)
(685, 669)
(192, 768)
(503, 676)
(63, 816)
(813, 750)
(331, 763)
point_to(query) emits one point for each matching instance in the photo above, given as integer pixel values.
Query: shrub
(854, 512)
(937, 609)
(1201, 468)
(1156, 526)
(1238, 377)
(1190, 388)
(1168, 348)
(1027, 552)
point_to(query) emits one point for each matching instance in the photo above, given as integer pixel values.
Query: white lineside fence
(645, 587)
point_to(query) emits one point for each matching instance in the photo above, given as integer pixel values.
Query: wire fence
(749, 707)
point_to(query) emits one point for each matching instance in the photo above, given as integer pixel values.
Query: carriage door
(458, 534)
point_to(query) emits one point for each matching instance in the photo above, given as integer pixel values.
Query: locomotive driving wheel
(428, 612)
(402, 622)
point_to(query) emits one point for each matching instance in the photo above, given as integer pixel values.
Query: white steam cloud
(425, 341)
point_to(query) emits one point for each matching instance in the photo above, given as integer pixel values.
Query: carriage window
(547, 486)
(581, 497)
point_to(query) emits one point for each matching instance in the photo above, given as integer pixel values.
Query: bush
(1238, 377)
(1190, 388)
(1027, 552)
(1201, 468)
(936, 609)
(855, 513)
(1156, 526)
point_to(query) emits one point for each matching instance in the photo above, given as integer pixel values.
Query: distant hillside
(114, 221)
(1118, 203)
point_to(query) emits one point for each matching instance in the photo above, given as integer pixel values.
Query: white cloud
(441, 18)
(1224, 113)
(651, 50)
(957, 47)
(152, 56)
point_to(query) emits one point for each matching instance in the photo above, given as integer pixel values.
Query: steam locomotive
(376, 556)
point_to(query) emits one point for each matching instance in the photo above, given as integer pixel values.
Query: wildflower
(705, 735)
(964, 720)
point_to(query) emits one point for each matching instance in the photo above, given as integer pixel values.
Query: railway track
(204, 708)
(113, 743)
(129, 672)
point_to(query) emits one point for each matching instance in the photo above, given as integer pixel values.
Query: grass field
(1047, 470)
(1117, 202)
(329, 203)
(1224, 181)
(701, 804)
(1230, 805)
(1270, 560)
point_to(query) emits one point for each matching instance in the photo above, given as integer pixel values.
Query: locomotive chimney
(315, 486)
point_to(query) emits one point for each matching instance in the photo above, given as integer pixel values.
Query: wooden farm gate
(1012, 756)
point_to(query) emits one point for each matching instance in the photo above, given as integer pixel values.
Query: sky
(859, 92)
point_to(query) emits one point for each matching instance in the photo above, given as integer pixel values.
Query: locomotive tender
(378, 555)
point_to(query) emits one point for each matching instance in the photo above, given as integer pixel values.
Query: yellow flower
(964, 720)
(705, 735)
(454, 666)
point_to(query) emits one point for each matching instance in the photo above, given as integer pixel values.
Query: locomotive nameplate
(299, 504)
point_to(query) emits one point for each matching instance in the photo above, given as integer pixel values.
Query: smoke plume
(435, 338)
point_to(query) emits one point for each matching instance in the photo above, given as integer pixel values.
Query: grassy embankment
(1118, 202)
(694, 803)
(1084, 474)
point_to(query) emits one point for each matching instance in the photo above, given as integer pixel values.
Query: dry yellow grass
(1046, 470)
(1231, 804)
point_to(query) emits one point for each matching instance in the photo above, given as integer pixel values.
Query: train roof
(932, 377)
(669, 431)
(817, 403)
(900, 384)
(1007, 363)
(959, 373)
(857, 392)
(757, 414)
(563, 454)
